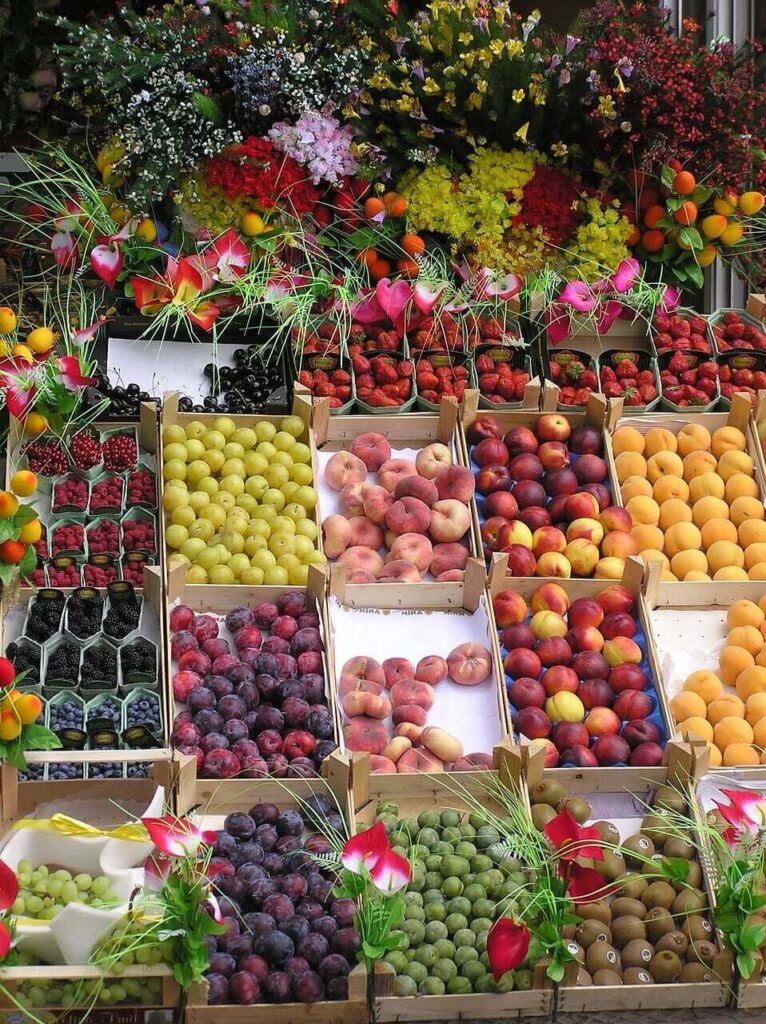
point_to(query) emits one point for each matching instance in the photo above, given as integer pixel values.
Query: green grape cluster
(133, 941)
(83, 992)
(45, 891)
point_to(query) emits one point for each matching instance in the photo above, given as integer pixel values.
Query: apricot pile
(729, 709)
(694, 502)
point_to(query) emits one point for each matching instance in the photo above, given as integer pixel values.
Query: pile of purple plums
(255, 705)
(287, 938)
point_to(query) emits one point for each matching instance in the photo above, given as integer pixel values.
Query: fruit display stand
(466, 714)
(756, 306)
(637, 759)
(131, 741)
(403, 439)
(217, 602)
(621, 809)
(411, 796)
(213, 804)
(758, 427)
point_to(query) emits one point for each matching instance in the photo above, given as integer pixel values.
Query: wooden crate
(406, 430)
(212, 801)
(413, 794)
(218, 600)
(756, 306)
(499, 580)
(758, 415)
(421, 600)
(682, 767)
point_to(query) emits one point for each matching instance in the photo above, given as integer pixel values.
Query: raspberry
(37, 578)
(120, 452)
(71, 492)
(104, 538)
(41, 547)
(133, 572)
(85, 450)
(67, 537)
(141, 489)
(68, 576)
(47, 458)
(107, 495)
(138, 535)
(99, 575)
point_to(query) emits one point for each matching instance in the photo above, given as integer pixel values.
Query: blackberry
(144, 711)
(60, 770)
(100, 662)
(139, 657)
(109, 708)
(33, 773)
(106, 770)
(84, 616)
(138, 770)
(64, 662)
(122, 618)
(44, 619)
(24, 660)
(67, 715)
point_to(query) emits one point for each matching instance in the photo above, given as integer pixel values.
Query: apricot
(696, 577)
(754, 554)
(635, 487)
(674, 511)
(727, 439)
(627, 439)
(755, 710)
(733, 463)
(740, 754)
(746, 636)
(664, 463)
(757, 572)
(682, 537)
(762, 603)
(696, 726)
(745, 508)
(657, 439)
(630, 464)
(731, 573)
(706, 485)
(687, 705)
(718, 529)
(752, 680)
(732, 730)
(732, 661)
(760, 658)
(688, 561)
(740, 485)
(609, 568)
(723, 553)
(654, 555)
(744, 613)
(647, 537)
(668, 487)
(619, 544)
(698, 463)
(759, 733)
(752, 531)
(709, 508)
(727, 706)
(667, 575)
(716, 758)
(705, 684)
(693, 437)
(644, 511)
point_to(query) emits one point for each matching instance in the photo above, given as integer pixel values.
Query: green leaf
(395, 941)
(372, 952)
(745, 964)
(751, 937)
(15, 755)
(727, 922)
(675, 868)
(28, 562)
(24, 515)
(700, 195)
(667, 176)
(555, 970)
(690, 236)
(695, 275)
(37, 737)
(7, 572)
(8, 530)
(674, 203)
(548, 933)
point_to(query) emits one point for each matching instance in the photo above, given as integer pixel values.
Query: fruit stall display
(94, 661)
(581, 678)
(545, 494)
(416, 674)
(239, 496)
(395, 496)
(253, 696)
(96, 497)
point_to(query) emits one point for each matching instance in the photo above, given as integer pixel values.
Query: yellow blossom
(606, 107)
(514, 47)
(474, 101)
(496, 46)
(517, 95)
(522, 132)
(559, 149)
(430, 87)
(465, 38)
(481, 85)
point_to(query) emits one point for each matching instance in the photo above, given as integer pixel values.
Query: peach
(609, 569)
(447, 557)
(587, 529)
(456, 482)
(417, 487)
(362, 669)
(409, 515)
(745, 508)
(627, 439)
(443, 744)
(621, 650)
(546, 623)
(697, 464)
(394, 470)
(412, 691)
(373, 449)
(419, 761)
(469, 664)
(359, 702)
(658, 439)
(431, 669)
(734, 462)
(636, 487)
(397, 669)
(619, 544)
(399, 571)
(553, 455)
(549, 597)
(414, 548)
(553, 563)
(564, 707)
(521, 561)
(707, 485)
(615, 518)
(350, 501)
(344, 468)
(349, 683)
(336, 535)
(664, 463)
(727, 439)
(432, 460)
(602, 722)
(548, 538)
(365, 734)
(693, 437)
(411, 731)
(450, 520)
(360, 576)
(668, 487)
(381, 765)
(475, 761)
(458, 576)
(396, 747)
(615, 599)
(514, 532)
(364, 533)
(582, 556)
(377, 503)
(409, 713)
(359, 557)
(581, 505)
(553, 426)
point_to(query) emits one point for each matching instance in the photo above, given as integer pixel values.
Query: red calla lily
(5, 940)
(571, 839)
(390, 872)
(507, 946)
(9, 886)
(586, 885)
(364, 849)
(177, 837)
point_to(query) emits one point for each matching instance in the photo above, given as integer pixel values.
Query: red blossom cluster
(550, 202)
(270, 179)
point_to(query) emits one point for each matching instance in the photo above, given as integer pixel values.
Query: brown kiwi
(607, 977)
(636, 849)
(601, 956)
(549, 791)
(703, 951)
(695, 972)
(688, 901)
(576, 951)
(598, 910)
(623, 906)
(665, 966)
(668, 799)
(625, 929)
(653, 866)
(611, 866)
(678, 847)
(697, 929)
(583, 978)
(693, 877)
(579, 809)
(592, 931)
(637, 953)
(541, 815)
(637, 976)
(607, 831)
(632, 885)
(657, 826)
(658, 923)
(658, 894)
(675, 941)
(568, 931)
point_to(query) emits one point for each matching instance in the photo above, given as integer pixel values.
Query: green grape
(142, 955)
(24, 879)
(105, 995)
(63, 875)
(128, 958)
(69, 892)
(40, 888)
(55, 885)
(24, 866)
(83, 882)
(35, 877)
(119, 995)
(100, 885)
(18, 905)
(37, 997)
(132, 987)
(43, 870)
(33, 905)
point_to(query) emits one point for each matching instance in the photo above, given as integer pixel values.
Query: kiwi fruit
(697, 929)
(695, 972)
(658, 894)
(549, 791)
(601, 956)
(607, 831)
(541, 815)
(668, 799)
(583, 978)
(675, 941)
(693, 877)
(636, 849)
(632, 885)
(657, 826)
(665, 966)
(688, 901)
(637, 976)
(637, 953)
(626, 929)
(598, 911)
(653, 866)
(568, 931)
(658, 922)
(607, 977)
(592, 931)
(612, 865)
(677, 847)
(623, 906)
(703, 951)
(576, 951)
(579, 809)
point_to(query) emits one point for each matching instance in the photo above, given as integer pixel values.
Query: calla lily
(71, 373)
(390, 872)
(106, 260)
(64, 248)
(86, 333)
(156, 871)
(228, 257)
(506, 288)
(177, 837)
(204, 314)
(364, 849)
(215, 908)
(558, 323)
(579, 295)
(587, 885)
(367, 310)
(571, 840)
(9, 886)
(150, 294)
(5, 940)
(670, 299)
(608, 312)
(185, 279)
(746, 813)
(507, 946)
(751, 804)
(19, 387)
(626, 275)
(426, 298)
(393, 299)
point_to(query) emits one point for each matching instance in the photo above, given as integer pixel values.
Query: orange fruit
(739, 754)
(7, 320)
(653, 214)
(12, 551)
(668, 487)
(413, 245)
(688, 561)
(706, 255)
(653, 240)
(686, 214)
(647, 537)
(709, 508)
(395, 204)
(630, 464)
(686, 705)
(752, 531)
(726, 706)
(698, 463)
(682, 537)
(745, 508)
(627, 439)
(698, 727)
(380, 269)
(754, 555)
(30, 532)
(746, 636)
(727, 439)
(636, 487)
(731, 573)
(759, 734)
(697, 577)
(714, 225)
(732, 730)
(722, 554)
(634, 237)
(706, 485)
(408, 268)
(705, 684)
(718, 529)
(373, 207)
(28, 707)
(34, 424)
(734, 462)
(716, 758)
(750, 681)
(657, 439)
(693, 437)
(367, 256)
(757, 571)
(740, 485)
(644, 511)
(655, 555)
(674, 511)
(684, 183)
(755, 709)
(734, 231)
(744, 613)
(664, 463)
(751, 203)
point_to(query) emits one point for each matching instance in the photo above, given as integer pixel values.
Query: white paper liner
(469, 712)
(687, 640)
(710, 787)
(171, 366)
(624, 810)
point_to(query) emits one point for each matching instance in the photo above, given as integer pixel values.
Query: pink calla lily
(86, 333)
(587, 885)
(156, 871)
(626, 275)
(70, 372)
(572, 840)
(177, 837)
(579, 295)
(670, 299)
(204, 314)
(18, 386)
(215, 908)
(367, 309)
(228, 257)
(5, 940)
(364, 849)
(506, 288)
(390, 872)
(507, 946)
(9, 886)
(106, 261)
(426, 298)
(607, 314)
(393, 299)
(64, 248)
(558, 323)
(745, 812)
